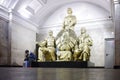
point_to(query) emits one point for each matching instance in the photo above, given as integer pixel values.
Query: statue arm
(64, 23)
(73, 21)
(90, 41)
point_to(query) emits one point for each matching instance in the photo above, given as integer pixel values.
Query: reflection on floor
(58, 74)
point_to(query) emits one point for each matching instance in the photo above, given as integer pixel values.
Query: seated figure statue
(85, 42)
(47, 49)
(43, 52)
(51, 45)
(64, 53)
(77, 52)
(66, 38)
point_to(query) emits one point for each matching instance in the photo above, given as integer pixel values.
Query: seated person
(32, 57)
(26, 55)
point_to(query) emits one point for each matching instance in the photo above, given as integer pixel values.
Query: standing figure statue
(51, 45)
(85, 42)
(69, 21)
(68, 26)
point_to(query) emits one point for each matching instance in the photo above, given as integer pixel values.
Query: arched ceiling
(37, 11)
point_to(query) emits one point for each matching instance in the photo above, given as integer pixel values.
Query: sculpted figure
(69, 21)
(76, 54)
(68, 25)
(43, 52)
(85, 42)
(51, 45)
(64, 53)
(65, 42)
(66, 38)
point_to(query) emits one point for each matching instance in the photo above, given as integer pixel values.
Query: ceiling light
(116, 1)
(34, 6)
(112, 33)
(1, 2)
(25, 13)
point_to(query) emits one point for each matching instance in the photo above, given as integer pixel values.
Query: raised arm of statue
(89, 40)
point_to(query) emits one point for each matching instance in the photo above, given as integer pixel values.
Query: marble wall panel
(117, 34)
(4, 42)
(22, 38)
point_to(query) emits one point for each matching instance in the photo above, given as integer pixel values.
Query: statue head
(50, 33)
(69, 11)
(83, 30)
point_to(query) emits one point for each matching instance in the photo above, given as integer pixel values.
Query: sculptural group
(66, 46)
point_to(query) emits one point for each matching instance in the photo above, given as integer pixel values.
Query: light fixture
(34, 6)
(25, 13)
(112, 33)
(116, 1)
(1, 2)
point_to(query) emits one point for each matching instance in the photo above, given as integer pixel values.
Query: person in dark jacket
(32, 58)
(26, 60)
(26, 55)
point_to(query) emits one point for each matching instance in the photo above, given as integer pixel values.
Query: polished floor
(59, 74)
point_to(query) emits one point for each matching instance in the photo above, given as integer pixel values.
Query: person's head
(69, 11)
(26, 52)
(50, 33)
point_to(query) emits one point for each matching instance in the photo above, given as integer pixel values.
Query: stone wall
(22, 38)
(117, 34)
(4, 42)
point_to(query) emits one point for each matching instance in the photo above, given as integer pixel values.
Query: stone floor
(59, 74)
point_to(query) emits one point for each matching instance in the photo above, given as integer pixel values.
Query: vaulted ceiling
(37, 11)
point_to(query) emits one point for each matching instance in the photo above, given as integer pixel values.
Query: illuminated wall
(22, 38)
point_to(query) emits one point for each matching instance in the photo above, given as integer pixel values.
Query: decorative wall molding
(4, 12)
(43, 1)
(117, 1)
(94, 21)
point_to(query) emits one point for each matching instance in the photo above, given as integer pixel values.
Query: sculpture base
(61, 64)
